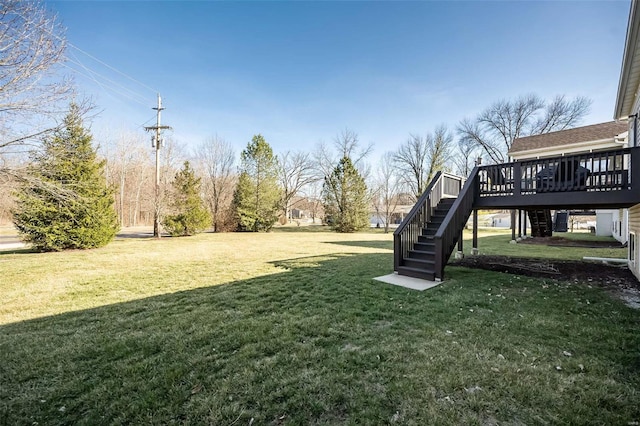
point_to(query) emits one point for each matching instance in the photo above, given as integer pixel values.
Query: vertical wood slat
(596, 171)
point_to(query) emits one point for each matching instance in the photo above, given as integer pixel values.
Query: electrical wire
(93, 73)
(108, 84)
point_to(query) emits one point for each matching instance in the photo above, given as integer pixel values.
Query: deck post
(517, 179)
(474, 248)
(519, 224)
(524, 225)
(460, 253)
(513, 226)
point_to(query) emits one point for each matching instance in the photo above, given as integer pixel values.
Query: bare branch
(418, 159)
(31, 45)
(495, 128)
(216, 159)
(295, 171)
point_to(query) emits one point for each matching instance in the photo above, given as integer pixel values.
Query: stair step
(416, 273)
(425, 246)
(429, 232)
(421, 254)
(419, 263)
(426, 239)
(447, 201)
(437, 219)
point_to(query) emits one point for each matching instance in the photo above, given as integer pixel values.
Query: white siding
(634, 226)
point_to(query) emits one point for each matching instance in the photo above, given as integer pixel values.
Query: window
(632, 247)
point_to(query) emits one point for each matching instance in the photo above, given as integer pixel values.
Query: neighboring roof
(630, 72)
(594, 132)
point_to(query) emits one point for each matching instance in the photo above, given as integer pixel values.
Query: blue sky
(300, 72)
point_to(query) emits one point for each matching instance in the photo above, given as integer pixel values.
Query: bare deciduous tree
(560, 114)
(345, 144)
(411, 162)
(130, 171)
(495, 128)
(216, 160)
(295, 171)
(386, 190)
(32, 43)
(312, 194)
(439, 150)
(419, 158)
(465, 157)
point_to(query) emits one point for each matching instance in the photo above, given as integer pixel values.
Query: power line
(109, 66)
(113, 85)
(90, 55)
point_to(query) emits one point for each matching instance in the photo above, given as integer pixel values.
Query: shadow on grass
(323, 343)
(387, 245)
(18, 251)
(211, 346)
(298, 229)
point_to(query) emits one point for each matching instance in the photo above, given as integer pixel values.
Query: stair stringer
(451, 228)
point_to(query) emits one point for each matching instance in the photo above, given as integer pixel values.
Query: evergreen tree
(257, 196)
(191, 216)
(345, 198)
(69, 206)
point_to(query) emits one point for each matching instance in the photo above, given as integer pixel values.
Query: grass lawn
(492, 242)
(289, 328)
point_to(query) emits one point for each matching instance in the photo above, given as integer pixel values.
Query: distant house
(595, 137)
(500, 220)
(627, 108)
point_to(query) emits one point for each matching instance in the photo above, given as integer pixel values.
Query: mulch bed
(568, 270)
(565, 242)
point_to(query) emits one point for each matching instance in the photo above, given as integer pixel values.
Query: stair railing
(454, 222)
(406, 235)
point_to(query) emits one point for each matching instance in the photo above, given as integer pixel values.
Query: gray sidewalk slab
(407, 282)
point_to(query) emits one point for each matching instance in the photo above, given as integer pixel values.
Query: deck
(596, 180)
(592, 180)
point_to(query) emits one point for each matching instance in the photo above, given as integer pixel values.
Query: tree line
(51, 170)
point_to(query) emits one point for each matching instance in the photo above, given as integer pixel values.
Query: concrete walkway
(407, 282)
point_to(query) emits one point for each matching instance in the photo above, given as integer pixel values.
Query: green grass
(497, 243)
(290, 328)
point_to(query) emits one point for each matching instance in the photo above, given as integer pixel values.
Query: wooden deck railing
(443, 185)
(594, 171)
(451, 228)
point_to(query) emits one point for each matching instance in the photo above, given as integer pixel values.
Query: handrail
(449, 231)
(417, 206)
(407, 233)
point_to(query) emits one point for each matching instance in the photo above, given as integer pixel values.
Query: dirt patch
(614, 278)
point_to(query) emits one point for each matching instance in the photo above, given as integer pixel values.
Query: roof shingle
(594, 132)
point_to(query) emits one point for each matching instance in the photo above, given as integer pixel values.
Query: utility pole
(157, 142)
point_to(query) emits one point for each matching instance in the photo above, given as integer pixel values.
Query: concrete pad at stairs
(407, 282)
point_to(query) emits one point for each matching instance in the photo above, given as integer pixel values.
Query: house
(578, 169)
(500, 220)
(626, 109)
(586, 139)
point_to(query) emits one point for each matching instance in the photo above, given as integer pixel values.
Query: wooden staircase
(420, 260)
(424, 241)
(541, 223)
(426, 237)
